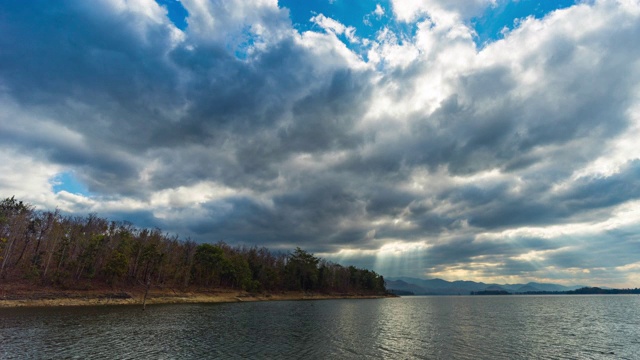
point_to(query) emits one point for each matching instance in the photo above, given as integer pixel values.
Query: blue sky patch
(491, 24)
(177, 13)
(67, 181)
(362, 16)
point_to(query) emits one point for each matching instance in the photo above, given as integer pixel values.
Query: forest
(47, 248)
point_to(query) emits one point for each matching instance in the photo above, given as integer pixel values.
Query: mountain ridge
(436, 286)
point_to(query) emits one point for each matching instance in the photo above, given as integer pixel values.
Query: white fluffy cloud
(444, 11)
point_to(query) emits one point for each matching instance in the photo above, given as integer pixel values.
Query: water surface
(443, 327)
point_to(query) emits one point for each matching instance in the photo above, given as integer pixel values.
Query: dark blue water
(461, 327)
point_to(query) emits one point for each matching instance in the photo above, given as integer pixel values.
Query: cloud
(379, 11)
(441, 10)
(492, 163)
(335, 27)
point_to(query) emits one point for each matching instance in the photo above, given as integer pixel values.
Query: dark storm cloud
(598, 192)
(469, 249)
(85, 53)
(299, 217)
(494, 207)
(325, 118)
(140, 93)
(591, 252)
(386, 201)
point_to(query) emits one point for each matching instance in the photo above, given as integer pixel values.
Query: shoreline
(58, 298)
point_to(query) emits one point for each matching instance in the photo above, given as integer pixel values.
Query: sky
(485, 140)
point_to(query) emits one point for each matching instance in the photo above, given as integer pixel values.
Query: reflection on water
(461, 327)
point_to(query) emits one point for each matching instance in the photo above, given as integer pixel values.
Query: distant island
(415, 286)
(45, 256)
(581, 291)
(490, 292)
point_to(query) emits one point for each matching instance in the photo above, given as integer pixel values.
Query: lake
(421, 327)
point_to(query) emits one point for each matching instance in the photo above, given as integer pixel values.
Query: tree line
(48, 248)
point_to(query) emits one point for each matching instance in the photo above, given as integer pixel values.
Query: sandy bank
(55, 297)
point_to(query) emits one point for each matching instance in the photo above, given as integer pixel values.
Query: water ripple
(464, 327)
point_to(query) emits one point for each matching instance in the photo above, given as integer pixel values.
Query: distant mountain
(434, 286)
(527, 288)
(553, 287)
(401, 292)
(495, 288)
(443, 287)
(402, 286)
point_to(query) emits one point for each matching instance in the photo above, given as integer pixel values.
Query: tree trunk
(27, 240)
(51, 251)
(6, 256)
